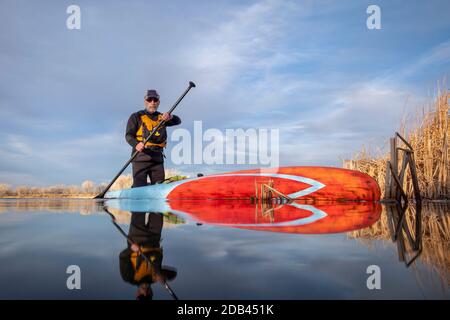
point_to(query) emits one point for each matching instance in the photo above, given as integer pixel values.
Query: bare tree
(58, 189)
(123, 182)
(99, 188)
(73, 189)
(88, 186)
(4, 189)
(23, 191)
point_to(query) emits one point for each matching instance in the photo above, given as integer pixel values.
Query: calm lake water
(228, 250)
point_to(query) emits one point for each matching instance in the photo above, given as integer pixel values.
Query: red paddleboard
(294, 217)
(299, 183)
(285, 218)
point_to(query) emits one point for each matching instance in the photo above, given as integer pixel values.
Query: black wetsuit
(149, 162)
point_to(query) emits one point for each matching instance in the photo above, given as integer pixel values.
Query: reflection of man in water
(145, 232)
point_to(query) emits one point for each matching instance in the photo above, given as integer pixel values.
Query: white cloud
(248, 41)
(33, 161)
(363, 114)
(438, 55)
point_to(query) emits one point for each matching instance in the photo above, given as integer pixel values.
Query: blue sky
(312, 69)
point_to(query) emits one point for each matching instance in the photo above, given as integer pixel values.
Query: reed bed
(428, 137)
(435, 236)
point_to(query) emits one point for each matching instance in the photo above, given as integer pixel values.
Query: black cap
(151, 94)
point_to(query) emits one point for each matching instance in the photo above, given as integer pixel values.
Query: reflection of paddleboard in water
(315, 183)
(286, 218)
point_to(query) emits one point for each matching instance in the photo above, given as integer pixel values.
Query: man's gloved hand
(135, 248)
(166, 116)
(140, 146)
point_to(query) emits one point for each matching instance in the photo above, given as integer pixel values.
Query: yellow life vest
(144, 269)
(149, 125)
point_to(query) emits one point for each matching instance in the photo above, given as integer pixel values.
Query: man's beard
(151, 109)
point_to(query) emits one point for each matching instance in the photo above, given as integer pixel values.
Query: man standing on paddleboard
(150, 160)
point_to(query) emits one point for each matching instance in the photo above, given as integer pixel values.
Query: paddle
(166, 285)
(102, 194)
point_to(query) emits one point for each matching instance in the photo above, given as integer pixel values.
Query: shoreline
(62, 196)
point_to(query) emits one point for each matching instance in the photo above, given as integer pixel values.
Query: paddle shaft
(102, 194)
(166, 285)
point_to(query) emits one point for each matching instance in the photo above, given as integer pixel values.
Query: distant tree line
(87, 188)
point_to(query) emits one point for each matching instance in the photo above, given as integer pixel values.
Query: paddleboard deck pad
(296, 183)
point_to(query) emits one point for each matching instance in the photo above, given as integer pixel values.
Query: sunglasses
(152, 99)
